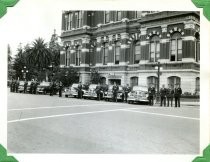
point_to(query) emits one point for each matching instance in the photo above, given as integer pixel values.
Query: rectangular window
(105, 53)
(137, 54)
(179, 50)
(107, 19)
(176, 50)
(117, 53)
(138, 14)
(76, 19)
(197, 51)
(119, 16)
(70, 21)
(67, 21)
(80, 19)
(152, 52)
(173, 50)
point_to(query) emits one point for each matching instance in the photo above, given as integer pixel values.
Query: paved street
(45, 124)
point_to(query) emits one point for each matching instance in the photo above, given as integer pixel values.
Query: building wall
(94, 33)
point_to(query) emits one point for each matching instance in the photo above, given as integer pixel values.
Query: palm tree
(39, 55)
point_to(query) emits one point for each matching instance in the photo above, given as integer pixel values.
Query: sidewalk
(190, 103)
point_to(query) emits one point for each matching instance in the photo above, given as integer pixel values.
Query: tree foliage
(95, 77)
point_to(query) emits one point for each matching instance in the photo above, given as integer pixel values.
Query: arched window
(105, 53)
(137, 52)
(134, 81)
(152, 80)
(197, 84)
(154, 48)
(78, 55)
(176, 47)
(173, 80)
(117, 52)
(197, 47)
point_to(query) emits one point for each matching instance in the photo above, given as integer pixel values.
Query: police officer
(169, 95)
(60, 88)
(17, 85)
(99, 91)
(25, 86)
(31, 86)
(177, 95)
(11, 85)
(115, 89)
(126, 90)
(51, 88)
(163, 95)
(80, 90)
(151, 94)
(35, 86)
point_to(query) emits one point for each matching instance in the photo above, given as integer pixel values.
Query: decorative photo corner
(205, 4)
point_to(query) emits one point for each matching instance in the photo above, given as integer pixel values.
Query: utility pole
(158, 68)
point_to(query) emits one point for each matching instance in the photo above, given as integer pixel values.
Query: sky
(30, 19)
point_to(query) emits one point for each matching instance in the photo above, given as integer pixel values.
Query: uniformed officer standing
(51, 88)
(169, 95)
(80, 90)
(60, 88)
(151, 94)
(11, 85)
(126, 89)
(177, 95)
(25, 86)
(17, 85)
(31, 86)
(163, 95)
(115, 89)
(99, 91)
(35, 86)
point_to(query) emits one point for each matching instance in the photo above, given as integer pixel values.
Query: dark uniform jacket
(79, 87)
(169, 93)
(127, 89)
(163, 92)
(151, 91)
(115, 89)
(177, 92)
(98, 89)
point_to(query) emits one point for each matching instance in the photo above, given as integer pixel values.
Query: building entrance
(118, 81)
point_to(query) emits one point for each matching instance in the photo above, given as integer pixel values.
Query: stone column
(72, 56)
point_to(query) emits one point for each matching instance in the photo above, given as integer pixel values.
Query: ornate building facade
(127, 46)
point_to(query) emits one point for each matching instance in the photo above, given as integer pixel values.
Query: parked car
(91, 93)
(72, 91)
(21, 86)
(43, 88)
(138, 94)
(28, 86)
(108, 95)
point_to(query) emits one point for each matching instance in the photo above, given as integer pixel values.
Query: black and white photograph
(104, 81)
(114, 82)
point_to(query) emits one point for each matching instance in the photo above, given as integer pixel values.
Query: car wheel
(66, 96)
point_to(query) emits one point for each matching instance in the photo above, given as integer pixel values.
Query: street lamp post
(24, 71)
(158, 68)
